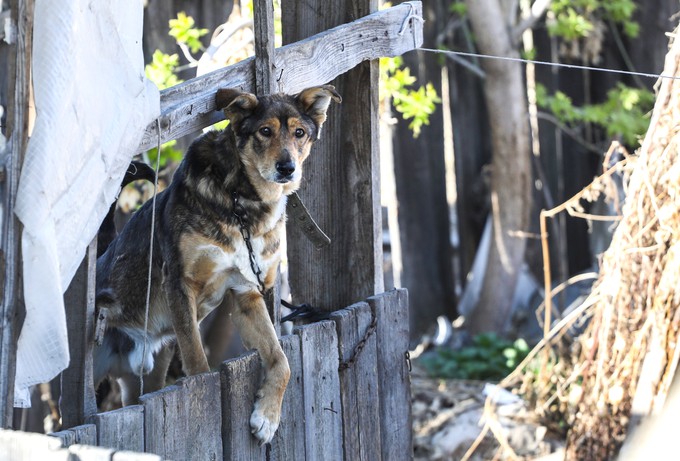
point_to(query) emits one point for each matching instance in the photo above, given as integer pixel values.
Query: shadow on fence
(358, 412)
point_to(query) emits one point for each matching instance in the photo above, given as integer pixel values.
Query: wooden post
(341, 186)
(78, 401)
(263, 22)
(19, 57)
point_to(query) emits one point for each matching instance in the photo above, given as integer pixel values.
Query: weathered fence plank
(240, 379)
(78, 401)
(321, 384)
(85, 434)
(290, 437)
(202, 399)
(345, 167)
(391, 310)
(190, 106)
(27, 446)
(18, 98)
(132, 456)
(359, 383)
(89, 453)
(121, 429)
(165, 423)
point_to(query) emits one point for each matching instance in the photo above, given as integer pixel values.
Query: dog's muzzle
(285, 171)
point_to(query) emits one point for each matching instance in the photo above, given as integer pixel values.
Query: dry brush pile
(621, 365)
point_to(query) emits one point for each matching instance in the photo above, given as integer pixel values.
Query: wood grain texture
(89, 453)
(121, 429)
(264, 45)
(165, 423)
(190, 106)
(239, 379)
(134, 456)
(321, 384)
(85, 434)
(341, 187)
(26, 446)
(78, 401)
(11, 304)
(358, 384)
(391, 310)
(202, 400)
(290, 437)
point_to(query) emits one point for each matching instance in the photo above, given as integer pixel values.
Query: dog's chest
(212, 266)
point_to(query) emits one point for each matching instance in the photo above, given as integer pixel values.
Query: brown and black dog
(231, 187)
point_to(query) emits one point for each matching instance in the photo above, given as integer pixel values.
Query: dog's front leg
(185, 323)
(252, 320)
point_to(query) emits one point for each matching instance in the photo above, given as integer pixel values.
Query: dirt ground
(448, 418)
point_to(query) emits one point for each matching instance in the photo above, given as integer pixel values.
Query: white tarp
(92, 103)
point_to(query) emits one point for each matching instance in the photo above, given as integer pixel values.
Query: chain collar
(239, 213)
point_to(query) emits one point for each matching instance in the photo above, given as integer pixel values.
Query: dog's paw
(263, 424)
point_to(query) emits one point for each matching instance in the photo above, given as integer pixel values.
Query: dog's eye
(299, 133)
(266, 131)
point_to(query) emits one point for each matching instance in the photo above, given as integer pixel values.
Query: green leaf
(183, 31)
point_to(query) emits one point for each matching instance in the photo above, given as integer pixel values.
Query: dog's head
(274, 133)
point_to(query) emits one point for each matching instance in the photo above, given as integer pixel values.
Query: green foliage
(183, 30)
(161, 71)
(624, 113)
(458, 7)
(416, 104)
(574, 19)
(488, 358)
(168, 154)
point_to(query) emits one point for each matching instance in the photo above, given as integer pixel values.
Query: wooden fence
(360, 412)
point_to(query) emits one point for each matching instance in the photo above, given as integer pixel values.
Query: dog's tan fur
(200, 255)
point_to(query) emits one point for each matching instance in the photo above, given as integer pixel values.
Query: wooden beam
(344, 191)
(264, 84)
(190, 106)
(78, 401)
(264, 46)
(11, 306)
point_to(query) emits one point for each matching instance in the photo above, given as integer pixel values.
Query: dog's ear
(315, 101)
(235, 104)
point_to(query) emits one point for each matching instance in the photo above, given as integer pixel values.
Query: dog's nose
(285, 168)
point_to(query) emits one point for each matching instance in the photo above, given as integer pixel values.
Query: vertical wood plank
(133, 456)
(391, 310)
(358, 384)
(240, 379)
(11, 304)
(263, 12)
(165, 423)
(121, 429)
(263, 22)
(202, 397)
(290, 437)
(321, 384)
(78, 401)
(85, 434)
(341, 176)
(25, 446)
(89, 453)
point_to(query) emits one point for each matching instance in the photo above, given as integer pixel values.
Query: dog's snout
(285, 168)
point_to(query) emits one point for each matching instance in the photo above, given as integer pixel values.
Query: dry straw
(621, 366)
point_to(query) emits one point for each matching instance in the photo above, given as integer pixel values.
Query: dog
(218, 228)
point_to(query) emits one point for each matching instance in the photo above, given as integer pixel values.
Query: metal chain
(239, 213)
(345, 364)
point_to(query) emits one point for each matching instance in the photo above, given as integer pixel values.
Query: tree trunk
(506, 103)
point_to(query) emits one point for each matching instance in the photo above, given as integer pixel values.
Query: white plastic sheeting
(92, 104)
